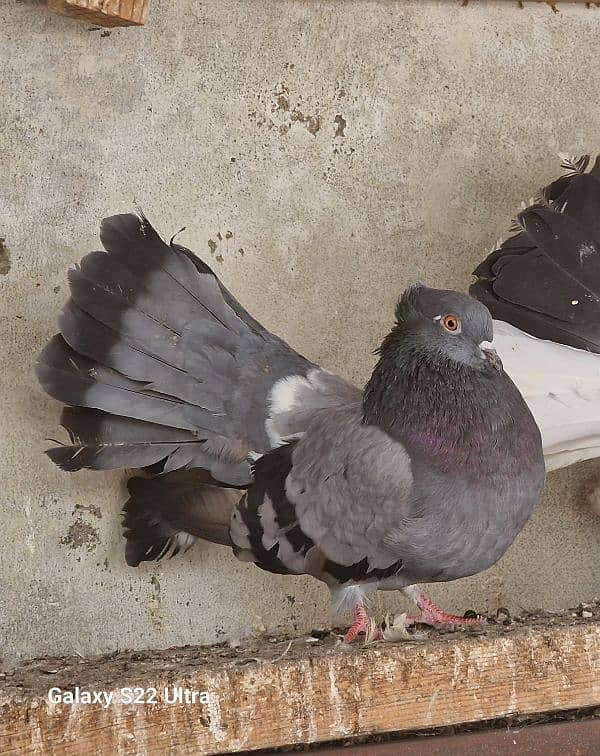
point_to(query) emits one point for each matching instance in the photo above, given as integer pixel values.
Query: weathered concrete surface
(321, 155)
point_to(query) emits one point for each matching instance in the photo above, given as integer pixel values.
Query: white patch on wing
(295, 399)
(282, 398)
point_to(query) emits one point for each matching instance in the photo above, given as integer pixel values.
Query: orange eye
(451, 323)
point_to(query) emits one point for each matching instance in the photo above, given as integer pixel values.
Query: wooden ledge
(103, 12)
(267, 694)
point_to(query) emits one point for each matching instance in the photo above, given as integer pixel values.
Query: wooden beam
(104, 12)
(272, 694)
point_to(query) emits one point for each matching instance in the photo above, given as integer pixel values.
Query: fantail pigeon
(427, 475)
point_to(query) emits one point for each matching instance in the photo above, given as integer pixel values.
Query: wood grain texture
(312, 693)
(104, 12)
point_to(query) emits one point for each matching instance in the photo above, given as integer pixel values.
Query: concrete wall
(322, 155)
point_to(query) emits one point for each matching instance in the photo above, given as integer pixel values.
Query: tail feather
(109, 442)
(165, 515)
(91, 338)
(546, 279)
(561, 386)
(116, 424)
(137, 245)
(73, 379)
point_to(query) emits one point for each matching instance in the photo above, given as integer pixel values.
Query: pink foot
(361, 624)
(435, 617)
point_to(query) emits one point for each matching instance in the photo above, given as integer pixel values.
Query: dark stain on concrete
(212, 244)
(4, 258)
(290, 113)
(92, 509)
(81, 535)
(282, 103)
(340, 125)
(312, 122)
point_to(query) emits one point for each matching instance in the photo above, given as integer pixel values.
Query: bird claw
(363, 624)
(437, 618)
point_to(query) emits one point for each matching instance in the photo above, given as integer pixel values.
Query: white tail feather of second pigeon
(561, 385)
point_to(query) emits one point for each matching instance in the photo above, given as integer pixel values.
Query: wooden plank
(104, 12)
(269, 695)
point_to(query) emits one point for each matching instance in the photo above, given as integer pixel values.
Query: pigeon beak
(490, 354)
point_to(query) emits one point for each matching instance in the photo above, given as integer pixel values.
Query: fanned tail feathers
(145, 359)
(546, 279)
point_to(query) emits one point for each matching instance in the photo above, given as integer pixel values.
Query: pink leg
(436, 617)
(360, 624)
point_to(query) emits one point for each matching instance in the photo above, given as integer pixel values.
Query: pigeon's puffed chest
(477, 479)
(476, 461)
(463, 526)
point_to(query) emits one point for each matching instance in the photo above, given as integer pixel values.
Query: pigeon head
(445, 325)
(438, 386)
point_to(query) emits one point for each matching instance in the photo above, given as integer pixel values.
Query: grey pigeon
(427, 475)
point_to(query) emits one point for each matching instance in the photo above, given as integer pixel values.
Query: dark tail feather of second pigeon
(545, 280)
(165, 515)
